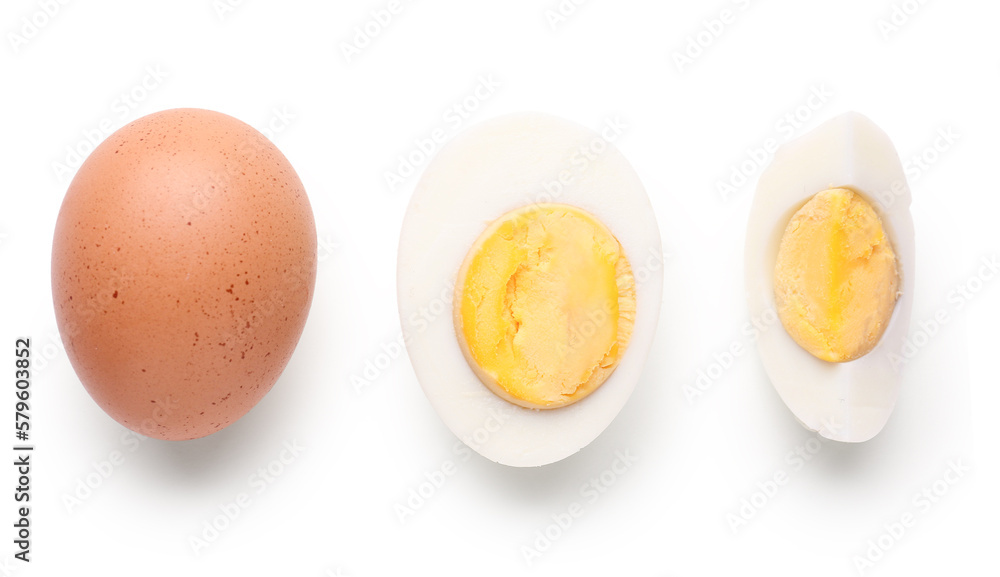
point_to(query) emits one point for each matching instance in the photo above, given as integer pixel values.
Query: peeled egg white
(849, 401)
(486, 171)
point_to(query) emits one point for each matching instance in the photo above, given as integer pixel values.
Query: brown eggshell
(183, 268)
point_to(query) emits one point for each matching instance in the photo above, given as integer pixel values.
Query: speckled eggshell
(183, 268)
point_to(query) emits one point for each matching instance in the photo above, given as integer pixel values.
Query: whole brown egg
(183, 268)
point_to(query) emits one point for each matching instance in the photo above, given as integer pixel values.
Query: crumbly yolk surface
(835, 280)
(545, 305)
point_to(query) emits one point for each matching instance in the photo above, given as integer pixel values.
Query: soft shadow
(229, 456)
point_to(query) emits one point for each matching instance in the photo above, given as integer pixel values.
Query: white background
(332, 510)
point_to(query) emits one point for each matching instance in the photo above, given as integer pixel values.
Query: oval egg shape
(491, 169)
(183, 269)
(843, 401)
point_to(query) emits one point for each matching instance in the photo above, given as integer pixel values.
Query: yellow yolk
(545, 305)
(835, 280)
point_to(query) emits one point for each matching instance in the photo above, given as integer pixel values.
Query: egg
(829, 266)
(183, 269)
(529, 285)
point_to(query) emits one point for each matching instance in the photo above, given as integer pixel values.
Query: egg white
(486, 171)
(850, 401)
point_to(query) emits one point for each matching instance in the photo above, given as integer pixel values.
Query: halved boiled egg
(538, 236)
(830, 252)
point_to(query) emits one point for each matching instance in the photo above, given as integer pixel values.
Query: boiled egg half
(529, 285)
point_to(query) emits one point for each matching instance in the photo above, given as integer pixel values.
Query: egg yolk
(835, 280)
(545, 305)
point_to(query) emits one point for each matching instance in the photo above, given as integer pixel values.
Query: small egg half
(830, 265)
(529, 284)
